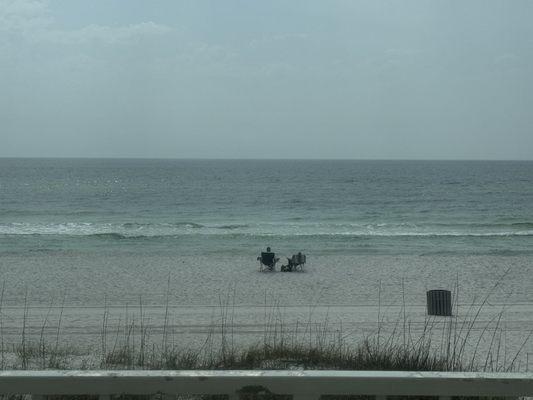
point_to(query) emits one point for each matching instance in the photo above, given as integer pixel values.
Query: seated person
(297, 260)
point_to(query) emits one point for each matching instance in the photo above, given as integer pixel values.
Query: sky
(349, 79)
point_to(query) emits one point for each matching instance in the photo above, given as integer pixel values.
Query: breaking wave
(132, 230)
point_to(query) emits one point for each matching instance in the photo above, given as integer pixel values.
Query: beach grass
(443, 344)
(279, 348)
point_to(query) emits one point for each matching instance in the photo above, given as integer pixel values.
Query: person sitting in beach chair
(267, 260)
(297, 261)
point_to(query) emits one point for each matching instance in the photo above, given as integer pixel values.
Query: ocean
(83, 234)
(194, 207)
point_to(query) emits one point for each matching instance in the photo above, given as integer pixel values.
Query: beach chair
(298, 261)
(267, 261)
(295, 263)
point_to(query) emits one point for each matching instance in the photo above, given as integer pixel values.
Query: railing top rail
(285, 382)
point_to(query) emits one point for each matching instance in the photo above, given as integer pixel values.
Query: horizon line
(256, 159)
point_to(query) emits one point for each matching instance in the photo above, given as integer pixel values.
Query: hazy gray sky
(270, 79)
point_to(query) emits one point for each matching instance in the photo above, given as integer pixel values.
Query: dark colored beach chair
(267, 260)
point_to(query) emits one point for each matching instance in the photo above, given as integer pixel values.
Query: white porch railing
(301, 384)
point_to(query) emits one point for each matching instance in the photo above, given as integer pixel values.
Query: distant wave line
(119, 235)
(291, 223)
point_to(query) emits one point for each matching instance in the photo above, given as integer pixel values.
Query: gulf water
(239, 207)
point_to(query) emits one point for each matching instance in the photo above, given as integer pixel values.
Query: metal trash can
(439, 302)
